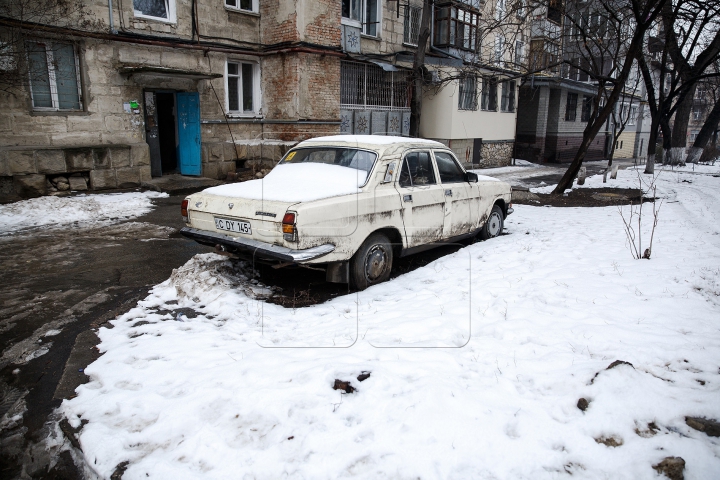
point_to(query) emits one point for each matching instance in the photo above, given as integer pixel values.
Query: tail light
(288, 227)
(183, 210)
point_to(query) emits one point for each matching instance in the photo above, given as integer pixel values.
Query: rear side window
(417, 170)
(449, 170)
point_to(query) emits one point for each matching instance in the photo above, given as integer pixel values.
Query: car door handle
(448, 193)
(407, 198)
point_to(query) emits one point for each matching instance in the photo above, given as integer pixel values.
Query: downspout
(110, 14)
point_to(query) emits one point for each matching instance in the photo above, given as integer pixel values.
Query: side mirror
(471, 177)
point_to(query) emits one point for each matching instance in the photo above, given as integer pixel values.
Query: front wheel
(372, 263)
(494, 225)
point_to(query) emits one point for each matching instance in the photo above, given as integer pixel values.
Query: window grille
(412, 25)
(369, 87)
(468, 93)
(54, 76)
(489, 94)
(571, 107)
(586, 108)
(507, 99)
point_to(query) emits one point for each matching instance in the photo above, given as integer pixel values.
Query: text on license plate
(233, 226)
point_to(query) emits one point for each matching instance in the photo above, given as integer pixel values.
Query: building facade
(204, 87)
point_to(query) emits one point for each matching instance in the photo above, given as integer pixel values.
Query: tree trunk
(678, 141)
(706, 132)
(418, 73)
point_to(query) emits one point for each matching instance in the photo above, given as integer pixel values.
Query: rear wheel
(494, 225)
(372, 263)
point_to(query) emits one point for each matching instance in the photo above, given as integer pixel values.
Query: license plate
(233, 226)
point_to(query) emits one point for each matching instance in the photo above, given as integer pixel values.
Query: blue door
(188, 107)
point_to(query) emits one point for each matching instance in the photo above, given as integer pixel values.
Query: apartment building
(201, 87)
(555, 104)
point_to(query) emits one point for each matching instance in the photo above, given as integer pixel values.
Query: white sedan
(350, 204)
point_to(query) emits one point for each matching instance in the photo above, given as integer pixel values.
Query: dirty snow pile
(81, 210)
(511, 332)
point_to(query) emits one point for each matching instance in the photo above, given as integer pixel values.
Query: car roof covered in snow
(379, 143)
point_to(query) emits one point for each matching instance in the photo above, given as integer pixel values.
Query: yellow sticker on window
(290, 156)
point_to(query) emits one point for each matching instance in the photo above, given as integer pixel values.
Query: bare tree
(22, 21)
(692, 35)
(630, 20)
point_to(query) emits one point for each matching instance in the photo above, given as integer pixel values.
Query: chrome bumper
(256, 248)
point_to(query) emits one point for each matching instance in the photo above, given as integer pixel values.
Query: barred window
(412, 25)
(507, 99)
(571, 107)
(587, 108)
(369, 87)
(468, 93)
(54, 76)
(489, 94)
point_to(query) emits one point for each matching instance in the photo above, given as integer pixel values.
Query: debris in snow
(291, 437)
(710, 427)
(618, 362)
(671, 467)
(180, 317)
(610, 441)
(363, 376)
(583, 404)
(611, 366)
(340, 385)
(119, 470)
(650, 431)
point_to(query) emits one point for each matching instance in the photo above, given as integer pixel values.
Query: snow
(81, 210)
(527, 324)
(302, 182)
(372, 139)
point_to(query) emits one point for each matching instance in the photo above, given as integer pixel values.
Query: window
(571, 107)
(633, 115)
(243, 5)
(364, 14)
(412, 25)
(586, 108)
(417, 170)
(507, 98)
(54, 76)
(519, 53)
(697, 113)
(367, 87)
(489, 94)
(694, 134)
(243, 87)
(155, 9)
(468, 93)
(499, 48)
(449, 170)
(500, 10)
(554, 12)
(360, 160)
(456, 26)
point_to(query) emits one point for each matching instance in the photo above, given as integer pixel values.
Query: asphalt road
(57, 287)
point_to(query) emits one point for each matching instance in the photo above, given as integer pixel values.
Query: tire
(494, 224)
(372, 263)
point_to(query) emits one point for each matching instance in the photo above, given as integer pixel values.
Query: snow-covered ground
(81, 210)
(512, 332)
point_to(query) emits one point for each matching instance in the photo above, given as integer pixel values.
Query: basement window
(242, 5)
(54, 76)
(243, 88)
(162, 10)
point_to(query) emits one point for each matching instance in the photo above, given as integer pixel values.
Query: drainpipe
(110, 11)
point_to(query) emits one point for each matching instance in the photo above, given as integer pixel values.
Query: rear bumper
(255, 248)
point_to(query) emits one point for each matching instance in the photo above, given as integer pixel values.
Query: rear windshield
(345, 157)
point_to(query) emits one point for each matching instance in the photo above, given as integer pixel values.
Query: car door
(461, 196)
(423, 199)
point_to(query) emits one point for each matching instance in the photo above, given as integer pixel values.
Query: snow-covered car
(350, 204)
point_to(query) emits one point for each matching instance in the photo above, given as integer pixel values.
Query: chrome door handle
(407, 198)
(448, 193)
